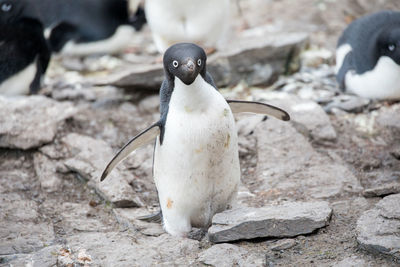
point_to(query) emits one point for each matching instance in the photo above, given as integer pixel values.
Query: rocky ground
(320, 190)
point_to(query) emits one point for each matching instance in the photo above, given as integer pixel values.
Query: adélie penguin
(173, 21)
(87, 27)
(368, 56)
(196, 162)
(24, 54)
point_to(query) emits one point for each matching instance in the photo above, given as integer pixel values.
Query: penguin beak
(189, 72)
(190, 66)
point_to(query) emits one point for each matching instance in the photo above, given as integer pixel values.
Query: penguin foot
(154, 218)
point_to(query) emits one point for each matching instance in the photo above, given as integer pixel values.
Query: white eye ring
(199, 62)
(175, 63)
(6, 7)
(392, 47)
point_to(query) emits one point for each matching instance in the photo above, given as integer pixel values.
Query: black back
(84, 20)
(21, 42)
(370, 37)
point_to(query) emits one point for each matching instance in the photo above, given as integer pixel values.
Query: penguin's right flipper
(346, 67)
(238, 106)
(155, 217)
(139, 140)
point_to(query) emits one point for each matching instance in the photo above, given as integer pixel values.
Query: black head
(185, 61)
(389, 43)
(10, 10)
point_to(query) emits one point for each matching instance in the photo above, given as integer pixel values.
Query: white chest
(383, 82)
(19, 83)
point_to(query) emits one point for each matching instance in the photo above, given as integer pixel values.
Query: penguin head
(389, 43)
(185, 61)
(13, 10)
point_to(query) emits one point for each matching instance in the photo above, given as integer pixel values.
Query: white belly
(115, 44)
(383, 82)
(341, 53)
(19, 83)
(196, 169)
(172, 21)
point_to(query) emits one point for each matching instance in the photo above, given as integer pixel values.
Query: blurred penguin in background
(368, 56)
(24, 54)
(87, 27)
(202, 22)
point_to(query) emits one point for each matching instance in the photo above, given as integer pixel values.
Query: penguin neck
(195, 96)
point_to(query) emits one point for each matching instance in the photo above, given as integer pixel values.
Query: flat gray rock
(286, 220)
(379, 228)
(257, 58)
(382, 190)
(31, 121)
(89, 157)
(127, 249)
(222, 255)
(289, 167)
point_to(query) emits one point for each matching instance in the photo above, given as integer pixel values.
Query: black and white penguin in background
(202, 22)
(368, 56)
(24, 54)
(196, 162)
(88, 27)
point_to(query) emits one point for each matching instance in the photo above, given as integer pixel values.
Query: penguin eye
(175, 63)
(391, 47)
(199, 62)
(6, 7)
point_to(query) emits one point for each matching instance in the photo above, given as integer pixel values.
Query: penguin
(24, 53)
(202, 22)
(89, 26)
(196, 163)
(368, 56)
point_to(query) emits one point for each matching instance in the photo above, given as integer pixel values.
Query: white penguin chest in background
(172, 21)
(196, 169)
(19, 83)
(383, 82)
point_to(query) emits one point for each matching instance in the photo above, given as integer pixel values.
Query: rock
(382, 190)
(230, 255)
(124, 248)
(348, 103)
(289, 166)
(90, 157)
(315, 57)
(24, 236)
(389, 117)
(286, 220)
(256, 59)
(378, 229)
(29, 122)
(284, 244)
(44, 257)
(46, 171)
(353, 261)
(307, 113)
(129, 218)
(22, 230)
(81, 217)
(15, 180)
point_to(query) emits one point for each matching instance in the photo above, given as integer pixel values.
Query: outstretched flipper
(139, 140)
(238, 106)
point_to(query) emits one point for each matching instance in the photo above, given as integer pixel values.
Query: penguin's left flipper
(238, 106)
(346, 67)
(143, 138)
